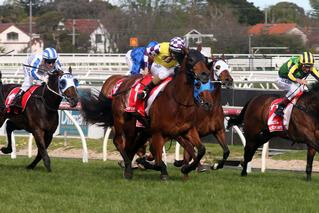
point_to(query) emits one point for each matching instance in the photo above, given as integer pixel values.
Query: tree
(286, 12)
(315, 5)
(12, 12)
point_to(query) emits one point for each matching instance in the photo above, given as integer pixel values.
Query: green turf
(99, 187)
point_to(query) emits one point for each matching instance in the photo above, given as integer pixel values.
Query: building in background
(99, 37)
(278, 29)
(16, 37)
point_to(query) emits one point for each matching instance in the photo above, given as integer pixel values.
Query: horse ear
(70, 69)
(223, 57)
(212, 57)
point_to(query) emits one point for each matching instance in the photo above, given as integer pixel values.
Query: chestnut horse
(210, 120)
(303, 127)
(40, 116)
(171, 115)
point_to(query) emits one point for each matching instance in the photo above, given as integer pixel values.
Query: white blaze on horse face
(219, 67)
(66, 81)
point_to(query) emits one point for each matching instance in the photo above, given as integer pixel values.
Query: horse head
(221, 71)
(65, 85)
(196, 64)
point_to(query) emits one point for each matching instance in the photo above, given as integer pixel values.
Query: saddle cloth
(25, 97)
(115, 88)
(277, 123)
(142, 107)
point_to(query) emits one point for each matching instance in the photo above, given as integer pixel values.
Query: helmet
(176, 44)
(307, 58)
(152, 44)
(50, 53)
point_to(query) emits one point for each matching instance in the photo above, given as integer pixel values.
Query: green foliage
(246, 12)
(315, 5)
(12, 13)
(286, 12)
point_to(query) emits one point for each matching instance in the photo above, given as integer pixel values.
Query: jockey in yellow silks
(164, 62)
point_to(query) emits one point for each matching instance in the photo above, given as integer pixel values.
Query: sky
(266, 3)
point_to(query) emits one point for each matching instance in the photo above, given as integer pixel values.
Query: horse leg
(193, 138)
(220, 135)
(10, 127)
(157, 145)
(40, 139)
(310, 156)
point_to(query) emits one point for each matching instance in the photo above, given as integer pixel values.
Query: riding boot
(281, 106)
(147, 89)
(17, 101)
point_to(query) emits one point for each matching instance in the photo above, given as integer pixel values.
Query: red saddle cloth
(133, 104)
(25, 97)
(277, 123)
(115, 88)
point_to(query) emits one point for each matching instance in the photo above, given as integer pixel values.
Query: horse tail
(97, 109)
(238, 119)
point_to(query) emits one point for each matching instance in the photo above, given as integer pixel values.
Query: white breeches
(161, 71)
(293, 88)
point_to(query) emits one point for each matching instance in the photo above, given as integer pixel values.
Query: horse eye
(76, 82)
(217, 67)
(62, 84)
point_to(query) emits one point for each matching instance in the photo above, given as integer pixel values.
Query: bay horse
(40, 116)
(209, 113)
(303, 127)
(171, 115)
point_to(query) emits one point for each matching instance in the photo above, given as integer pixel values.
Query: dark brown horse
(171, 115)
(303, 127)
(40, 116)
(209, 114)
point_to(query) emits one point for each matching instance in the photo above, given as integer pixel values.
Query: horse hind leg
(310, 156)
(10, 127)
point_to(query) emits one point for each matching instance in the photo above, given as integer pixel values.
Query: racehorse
(209, 113)
(303, 126)
(40, 116)
(171, 115)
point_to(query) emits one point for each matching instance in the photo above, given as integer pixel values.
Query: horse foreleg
(35, 161)
(220, 135)
(193, 138)
(157, 146)
(39, 136)
(310, 156)
(10, 127)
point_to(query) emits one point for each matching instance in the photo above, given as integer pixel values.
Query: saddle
(277, 123)
(25, 98)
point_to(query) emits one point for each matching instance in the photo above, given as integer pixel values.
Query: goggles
(49, 61)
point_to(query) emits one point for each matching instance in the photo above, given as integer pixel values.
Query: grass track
(99, 187)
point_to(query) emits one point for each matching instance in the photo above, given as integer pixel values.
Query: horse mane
(314, 87)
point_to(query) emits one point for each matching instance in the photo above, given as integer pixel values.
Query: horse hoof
(164, 177)
(128, 175)
(30, 167)
(185, 169)
(244, 174)
(6, 150)
(214, 166)
(178, 163)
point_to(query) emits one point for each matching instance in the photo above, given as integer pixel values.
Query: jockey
(47, 61)
(136, 57)
(292, 77)
(164, 64)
